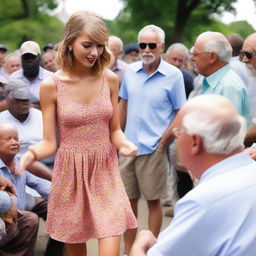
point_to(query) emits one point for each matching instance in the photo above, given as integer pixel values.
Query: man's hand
(6, 185)
(11, 217)
(144, 241)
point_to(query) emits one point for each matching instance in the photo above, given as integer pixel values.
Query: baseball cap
(30, 47)
(131, 47)
(3, 47)
(18, 90)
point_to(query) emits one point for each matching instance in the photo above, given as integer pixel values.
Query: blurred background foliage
(23, 20)
(182, 20)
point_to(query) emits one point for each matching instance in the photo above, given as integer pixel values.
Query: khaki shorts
(145, 174)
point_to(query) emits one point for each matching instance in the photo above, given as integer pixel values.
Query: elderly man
(31, 73)
(27, 120)
(48, 61)
(21, 238)
(116, 46)
(249, 58)
(177, 54)
(207, 221)
(9, 147)
(152, 92)
(12, 63)
(211, 55)
(131, 53)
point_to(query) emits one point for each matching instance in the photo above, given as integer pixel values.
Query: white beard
(251, 70)
(147, 58)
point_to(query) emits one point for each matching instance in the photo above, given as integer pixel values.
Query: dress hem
(93, 237)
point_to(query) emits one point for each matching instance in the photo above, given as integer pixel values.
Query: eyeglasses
(248, 55)
(177, 131)
(198, 53)
(150, 45)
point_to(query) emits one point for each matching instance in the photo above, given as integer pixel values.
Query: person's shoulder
(46, 72)
(111, 78)
(36, 112)
(16, 74)
(49, 82)
(4, 116)
(169, 69)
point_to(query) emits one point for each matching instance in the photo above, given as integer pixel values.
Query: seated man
(207, 221)
(27, 120)
(18, 234)
(9, 147)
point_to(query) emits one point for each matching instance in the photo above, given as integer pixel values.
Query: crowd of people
(91, 125)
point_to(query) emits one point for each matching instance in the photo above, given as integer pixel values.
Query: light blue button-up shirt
(227, 83)
(217, 217)
(42, 186)
(152, 103)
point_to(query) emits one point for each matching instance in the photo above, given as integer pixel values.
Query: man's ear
(214, 57)
(162, 47)
(197, 144)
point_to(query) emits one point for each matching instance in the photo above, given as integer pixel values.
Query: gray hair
(219, 136)
(118, 39)
(218, 43)
(10, 55)
(178, 47)
(155, 29)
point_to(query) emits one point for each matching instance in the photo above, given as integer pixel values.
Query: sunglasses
(150, 45)
(248, 55)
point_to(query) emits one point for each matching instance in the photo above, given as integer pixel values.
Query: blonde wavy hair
(95, 28)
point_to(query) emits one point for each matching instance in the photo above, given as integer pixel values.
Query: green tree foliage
(23, 20)
(182, 20)
(242, 28)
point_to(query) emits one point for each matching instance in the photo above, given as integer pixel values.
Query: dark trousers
(24, 243)
(184, 183)
(54, 248)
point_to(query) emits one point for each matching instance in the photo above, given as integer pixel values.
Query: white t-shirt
(30, 131)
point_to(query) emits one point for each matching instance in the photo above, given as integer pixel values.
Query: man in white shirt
(31, 73)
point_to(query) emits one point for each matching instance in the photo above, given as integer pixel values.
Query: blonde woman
(88, 199)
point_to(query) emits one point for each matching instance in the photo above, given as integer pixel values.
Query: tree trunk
(26, 10)
(184, 10)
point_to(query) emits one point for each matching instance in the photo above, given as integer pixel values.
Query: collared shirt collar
(161, 67)
(226, 165)
(215, 78)
(3, 165)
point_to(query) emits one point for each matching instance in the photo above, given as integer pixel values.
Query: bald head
(6, 127)
(9, 141)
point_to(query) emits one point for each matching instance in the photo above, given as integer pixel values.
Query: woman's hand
(128, 149)
(26, 159)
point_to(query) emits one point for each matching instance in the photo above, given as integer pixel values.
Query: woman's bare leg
(109, 246)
